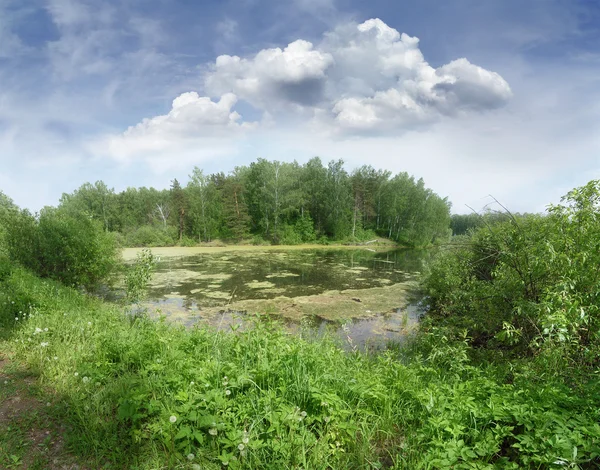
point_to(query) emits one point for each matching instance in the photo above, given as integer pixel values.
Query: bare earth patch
(29, 436)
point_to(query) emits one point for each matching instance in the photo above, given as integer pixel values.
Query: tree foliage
(272, 200)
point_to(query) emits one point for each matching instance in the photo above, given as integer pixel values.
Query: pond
(365, 295)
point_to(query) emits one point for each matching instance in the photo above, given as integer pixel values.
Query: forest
(271, 201)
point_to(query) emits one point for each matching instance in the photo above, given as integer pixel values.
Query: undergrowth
(142, 394)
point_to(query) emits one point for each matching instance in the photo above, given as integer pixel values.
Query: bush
(73, 249)
(187, 241)
(148, 235)
(289, 236)
(529, 284)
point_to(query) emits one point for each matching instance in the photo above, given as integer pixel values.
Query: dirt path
(31, 436)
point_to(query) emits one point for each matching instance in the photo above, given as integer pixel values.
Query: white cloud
(192, 120)
(366, 78)
(294, 75)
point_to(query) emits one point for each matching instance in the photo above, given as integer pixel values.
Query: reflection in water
(182, 287)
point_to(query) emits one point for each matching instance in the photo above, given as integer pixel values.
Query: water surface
(367, 290)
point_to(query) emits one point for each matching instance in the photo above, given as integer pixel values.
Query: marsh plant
(138, 275)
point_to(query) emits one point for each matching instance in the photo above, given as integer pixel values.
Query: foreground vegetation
(504, 373)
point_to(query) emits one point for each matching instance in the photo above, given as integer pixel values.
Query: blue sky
(496, 97)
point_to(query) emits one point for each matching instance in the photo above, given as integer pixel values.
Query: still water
(364, 294)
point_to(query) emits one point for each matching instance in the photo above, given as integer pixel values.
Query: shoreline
(130, 253)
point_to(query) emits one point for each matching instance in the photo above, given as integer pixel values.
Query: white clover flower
(195, 466)
(89, 323)
(48, 404)
(37, 330)
(326, 419)
(212, 431)
(55, 358)
(227, 392)
(43, 345)
(192, 382)
(303, 414)
(76, 374)
(17, 318)
(245, 440)
(86, 379)
(173, 419)
(241, 447)
(190, 456)
(46, 329)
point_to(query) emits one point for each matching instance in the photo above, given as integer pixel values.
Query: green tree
(204, 205)
(97, 200)
(178, 203)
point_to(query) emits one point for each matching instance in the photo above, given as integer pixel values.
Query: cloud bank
(361, 79)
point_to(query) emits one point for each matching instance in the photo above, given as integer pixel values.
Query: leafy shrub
(148, 235)
(289, 236)
(64, 246)
(527, 284)
(138, 275)
(187, 241)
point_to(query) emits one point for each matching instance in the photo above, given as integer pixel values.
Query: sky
(480, 98)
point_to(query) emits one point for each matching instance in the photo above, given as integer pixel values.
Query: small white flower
(241, 447)
(190, 456)
(303, 414)
(173, 419)
(46, 329)
(327, 419)
(212, 431)
(37, 330)
(245, 440)
(97, 384)
(89, 323)
(48, 404)
(17, 318)
(55, 358)
(43, 345)
(86, 379)
(195, 466)
(227, 392)
(192, 382)
(76, 374)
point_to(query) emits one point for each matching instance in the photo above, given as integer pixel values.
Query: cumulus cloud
(366, 77)
(293, 75)
(360, 79)
(192, 117)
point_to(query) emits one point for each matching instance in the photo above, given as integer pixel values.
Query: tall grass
(142, 394)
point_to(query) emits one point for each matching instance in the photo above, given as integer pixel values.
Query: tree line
(274, 201)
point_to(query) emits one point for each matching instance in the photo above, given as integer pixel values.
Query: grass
(131, 393)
